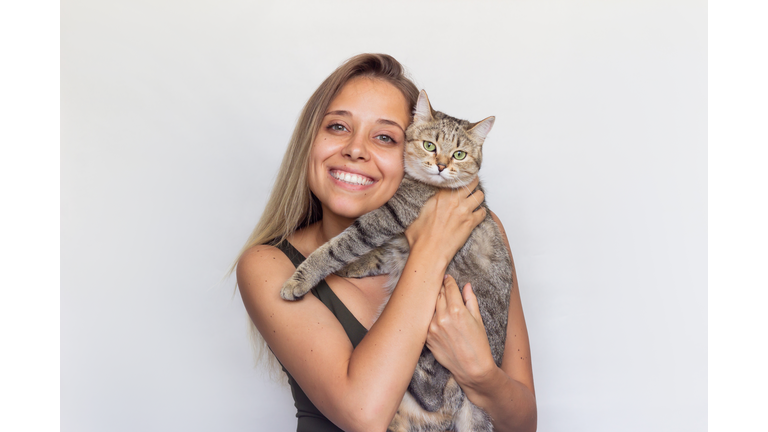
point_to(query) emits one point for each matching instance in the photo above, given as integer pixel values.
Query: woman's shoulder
(263, 267)
(262, 254)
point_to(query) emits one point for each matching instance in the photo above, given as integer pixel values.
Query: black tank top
(310, 418)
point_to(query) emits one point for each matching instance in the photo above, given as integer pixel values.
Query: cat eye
(428, 146)
(459, 155)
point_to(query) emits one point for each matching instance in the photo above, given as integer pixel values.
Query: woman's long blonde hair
(291, 205)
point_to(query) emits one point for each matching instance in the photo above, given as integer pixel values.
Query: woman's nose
(356, 148)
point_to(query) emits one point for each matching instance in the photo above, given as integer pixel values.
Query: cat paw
(293, 290)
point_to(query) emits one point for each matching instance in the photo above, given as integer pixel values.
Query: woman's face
(356, 160)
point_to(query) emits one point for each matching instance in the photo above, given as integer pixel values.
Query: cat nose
(440, 167)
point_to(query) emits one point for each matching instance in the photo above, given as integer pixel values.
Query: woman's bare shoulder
(263, 267)
(264, 259)
(262, 255)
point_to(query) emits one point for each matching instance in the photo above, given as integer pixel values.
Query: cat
(440, 152)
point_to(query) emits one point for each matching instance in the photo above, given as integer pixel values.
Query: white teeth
(351, 178)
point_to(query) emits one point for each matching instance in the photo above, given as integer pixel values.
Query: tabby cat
(440, 152)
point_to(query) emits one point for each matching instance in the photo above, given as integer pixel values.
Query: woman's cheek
(391, 163)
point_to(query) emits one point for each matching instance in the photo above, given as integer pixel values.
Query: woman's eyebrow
(390, 122)
(339, 112)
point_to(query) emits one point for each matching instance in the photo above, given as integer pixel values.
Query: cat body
(440, 152)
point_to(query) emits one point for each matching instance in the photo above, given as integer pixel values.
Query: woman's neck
(331, 225)
(312, 237)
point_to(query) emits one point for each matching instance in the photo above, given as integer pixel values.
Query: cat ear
(423, 110)
(480, 129)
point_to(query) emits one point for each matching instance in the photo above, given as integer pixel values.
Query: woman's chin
(347, 210)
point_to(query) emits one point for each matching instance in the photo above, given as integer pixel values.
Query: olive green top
(310, 418)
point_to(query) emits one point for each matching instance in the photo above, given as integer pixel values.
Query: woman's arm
(457, 339)
(361, 388)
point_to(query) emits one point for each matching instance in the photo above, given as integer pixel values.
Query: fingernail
(445, 277)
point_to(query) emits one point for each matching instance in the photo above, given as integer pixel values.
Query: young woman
(349, 367)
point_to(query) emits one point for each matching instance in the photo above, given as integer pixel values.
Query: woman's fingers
(440, 310)
(446, 303)
(456, 335)
(475, 193)
(441, 299)
(453, 298)
(476, 200)
(470, 300)
(459, 205)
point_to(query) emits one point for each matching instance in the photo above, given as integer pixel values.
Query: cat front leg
(370, 264)
(388, 259)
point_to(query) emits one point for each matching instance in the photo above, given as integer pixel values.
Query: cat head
(441, 150)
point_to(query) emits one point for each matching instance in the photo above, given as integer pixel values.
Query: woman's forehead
(364, 97)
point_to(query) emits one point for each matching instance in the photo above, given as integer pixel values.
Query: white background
(174, 117)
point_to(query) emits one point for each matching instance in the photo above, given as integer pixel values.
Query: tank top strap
(354, 329)
(291, 252)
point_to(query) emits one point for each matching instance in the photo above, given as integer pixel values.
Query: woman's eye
(385, 138)
(337, 127)
(459, 155)
(428, 146)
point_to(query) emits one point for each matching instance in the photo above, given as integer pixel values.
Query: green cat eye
(428, 146)
(459, 155)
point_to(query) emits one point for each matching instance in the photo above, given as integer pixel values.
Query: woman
(348, 366)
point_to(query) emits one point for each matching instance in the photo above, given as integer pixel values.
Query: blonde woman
(347, 367)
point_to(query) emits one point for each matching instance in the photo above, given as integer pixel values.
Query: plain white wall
(175, 115)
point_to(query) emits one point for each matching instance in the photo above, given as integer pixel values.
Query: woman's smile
(350, 179)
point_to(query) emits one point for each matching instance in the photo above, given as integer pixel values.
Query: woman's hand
(446, 221)
(457, 335)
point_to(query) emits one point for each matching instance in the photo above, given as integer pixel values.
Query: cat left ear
(423, 110)
(480, 129)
